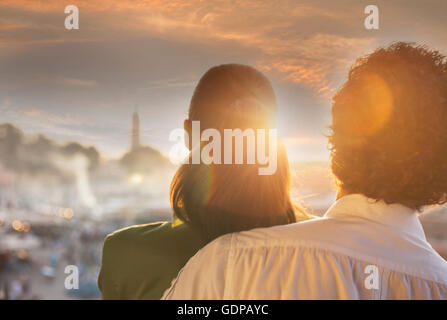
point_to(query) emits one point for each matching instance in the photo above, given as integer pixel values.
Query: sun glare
(136, 178)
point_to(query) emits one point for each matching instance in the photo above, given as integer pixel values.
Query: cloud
(50, 118)
(287, 36)
(152, 52)
(57, 124)
(79, 82)
(9, 26)
(171, 83)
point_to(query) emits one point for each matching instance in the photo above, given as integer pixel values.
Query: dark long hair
(224, 198)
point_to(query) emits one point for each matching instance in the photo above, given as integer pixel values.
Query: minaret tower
(135, 143)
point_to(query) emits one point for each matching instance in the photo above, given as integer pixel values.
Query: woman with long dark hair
(208, 200)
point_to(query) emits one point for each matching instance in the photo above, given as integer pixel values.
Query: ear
(187, 126)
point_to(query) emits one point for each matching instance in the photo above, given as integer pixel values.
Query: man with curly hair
(389, 157)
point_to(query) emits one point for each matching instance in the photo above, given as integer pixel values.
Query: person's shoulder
(203, 274)
(220, 245)
(214, 250)
(134, 232)
(223, 245)
(268, 236)
(305, 230)
(154, 237)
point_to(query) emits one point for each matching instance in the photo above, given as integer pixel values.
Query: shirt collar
(396, 216)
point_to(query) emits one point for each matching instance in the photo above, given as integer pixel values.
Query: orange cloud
(50, 118)
(270, 27)
(9, 26)
(80, 82)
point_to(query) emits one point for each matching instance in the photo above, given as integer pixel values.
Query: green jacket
(139, 262)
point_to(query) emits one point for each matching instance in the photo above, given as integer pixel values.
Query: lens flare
(136, 178)
(367, 109)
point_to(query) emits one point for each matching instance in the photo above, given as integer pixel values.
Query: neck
(342, 192)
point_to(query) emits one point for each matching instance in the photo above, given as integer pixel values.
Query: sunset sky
(84, 84)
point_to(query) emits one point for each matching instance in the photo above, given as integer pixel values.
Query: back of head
(389, 132)
(223, 198)
(227, 92)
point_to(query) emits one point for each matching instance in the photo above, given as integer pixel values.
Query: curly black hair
(389, 132)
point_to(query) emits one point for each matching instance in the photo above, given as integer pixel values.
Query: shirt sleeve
(204, 276)
(105, 281)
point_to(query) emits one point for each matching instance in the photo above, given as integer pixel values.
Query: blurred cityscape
(58, 202)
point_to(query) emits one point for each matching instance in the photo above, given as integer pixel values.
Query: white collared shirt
(360, 249)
